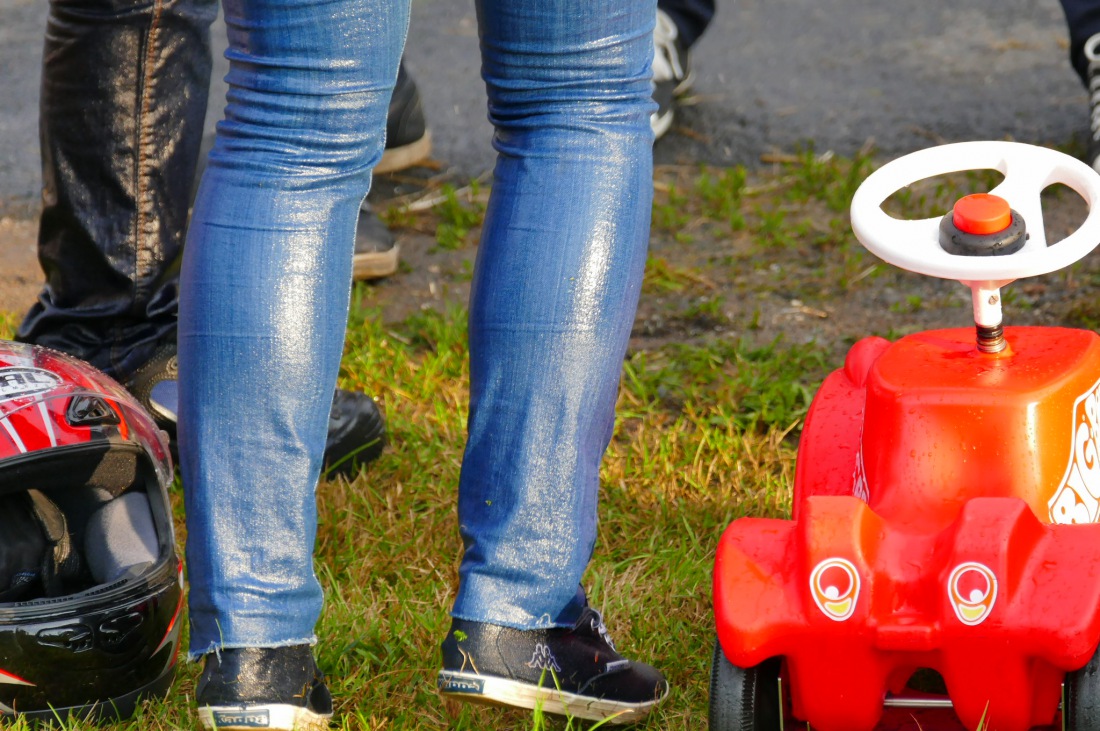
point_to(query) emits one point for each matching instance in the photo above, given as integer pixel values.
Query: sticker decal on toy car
(859, 477)
(1077, 499)
(972, 588)
(834, 585)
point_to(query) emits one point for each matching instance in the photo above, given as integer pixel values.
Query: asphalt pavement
(770, 75)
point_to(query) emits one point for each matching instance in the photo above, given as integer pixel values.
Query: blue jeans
(267, 275)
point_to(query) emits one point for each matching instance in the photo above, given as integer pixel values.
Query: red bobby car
(946, 496)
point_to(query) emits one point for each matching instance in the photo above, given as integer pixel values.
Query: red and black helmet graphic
(105, 634)
(50, 401)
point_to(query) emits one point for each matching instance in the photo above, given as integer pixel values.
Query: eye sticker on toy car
(834, 585)
(17, 382)
(1077, 499)
(972, 588)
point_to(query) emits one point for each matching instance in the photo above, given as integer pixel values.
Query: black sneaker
(1092, 53)
(408, 139)
(568, 671)
(672, 75)
(356, 427)
(263, 688)
(376, 249)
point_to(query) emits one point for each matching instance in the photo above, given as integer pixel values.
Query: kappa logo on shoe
(242, 719)
(451, 684)
(543, 659)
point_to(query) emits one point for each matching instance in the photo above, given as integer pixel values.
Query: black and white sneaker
(672, 75)
(1092, 53)
(572, 671)
(277, 688)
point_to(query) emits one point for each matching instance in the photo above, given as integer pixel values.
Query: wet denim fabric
(124, 89)
(266, 281)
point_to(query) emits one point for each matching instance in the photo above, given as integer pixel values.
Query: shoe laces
(666, 57)
(601, 628)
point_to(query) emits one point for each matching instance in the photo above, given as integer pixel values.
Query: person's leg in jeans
(124, 94)
(1083, 19)
(680, 23)
(264, 297)
(556, 284)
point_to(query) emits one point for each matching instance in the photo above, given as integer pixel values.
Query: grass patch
(707, 432)
(700, 441)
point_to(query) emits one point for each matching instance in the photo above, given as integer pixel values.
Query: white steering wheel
(1027, 170)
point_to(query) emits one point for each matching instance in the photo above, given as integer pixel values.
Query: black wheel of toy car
(1081, 704)
(743, 699)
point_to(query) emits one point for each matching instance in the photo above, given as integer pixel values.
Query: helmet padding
(120, 536)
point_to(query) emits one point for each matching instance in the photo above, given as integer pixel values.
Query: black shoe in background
(376, 248)
(573, 671)
(408, 139)
(356, 427)
(278, 688)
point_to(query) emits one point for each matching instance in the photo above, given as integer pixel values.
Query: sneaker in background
(573, 671)
(672, 75)
(408, 139)
(376, 248)
(408, 142)
(277, 688)
(1092, 53)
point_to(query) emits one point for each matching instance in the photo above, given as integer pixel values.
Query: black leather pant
(124, 89)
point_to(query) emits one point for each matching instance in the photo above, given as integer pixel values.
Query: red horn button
(982, 213)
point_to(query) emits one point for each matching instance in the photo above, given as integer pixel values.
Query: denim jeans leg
(124, 87)
(264, 297)
(555, 289)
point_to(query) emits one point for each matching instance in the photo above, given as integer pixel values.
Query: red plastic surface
(932, 496)
(981, 213)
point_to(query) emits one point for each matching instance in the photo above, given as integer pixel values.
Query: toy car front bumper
(1000, 604)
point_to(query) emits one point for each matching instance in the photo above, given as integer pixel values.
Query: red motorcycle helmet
(90, 583)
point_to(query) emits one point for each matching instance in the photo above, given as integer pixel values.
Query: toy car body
(945, 515)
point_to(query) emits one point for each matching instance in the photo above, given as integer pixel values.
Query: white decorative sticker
(1077, 499)
(859, 477)
(972, 588)
(17, 382)
(834, 584)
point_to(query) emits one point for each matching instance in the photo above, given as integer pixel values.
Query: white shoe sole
(399, 158)
(660, 124)
(275, 717)
(375, 264)
(500, 691)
